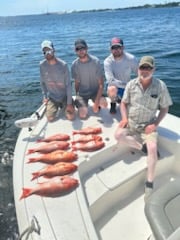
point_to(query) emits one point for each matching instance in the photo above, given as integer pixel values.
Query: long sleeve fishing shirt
(55, 81)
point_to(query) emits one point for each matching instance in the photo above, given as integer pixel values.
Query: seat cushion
(162, 210)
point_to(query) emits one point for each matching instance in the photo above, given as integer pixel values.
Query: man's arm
(99, 95)
(68, 85)
(124, 116)
(152, 127)
(43, 86)
(161, 115)
(111, 80)
(100, 90)
(76, 85)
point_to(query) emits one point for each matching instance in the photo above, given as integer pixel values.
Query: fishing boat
(109, 200)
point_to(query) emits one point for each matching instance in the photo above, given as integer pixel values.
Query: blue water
(144, 31)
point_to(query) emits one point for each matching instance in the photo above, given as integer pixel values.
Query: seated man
(143, 96)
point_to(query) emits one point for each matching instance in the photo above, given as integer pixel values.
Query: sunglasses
(48, 52)
(145, 68)
(116, 47)
(80, 48)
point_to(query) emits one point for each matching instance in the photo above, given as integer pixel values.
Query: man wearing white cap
(142, 97)
(55, 83)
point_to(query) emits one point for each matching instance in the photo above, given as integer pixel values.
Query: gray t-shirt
(118, 72)
(88, 75)
(55, 81)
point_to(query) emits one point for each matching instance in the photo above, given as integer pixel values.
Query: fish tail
(35, 175)
(30, 160)
(74, 148)
(98, 138)
(26, 192)
(30, 151)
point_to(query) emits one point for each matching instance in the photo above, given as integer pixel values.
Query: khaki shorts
(141, 136)
(52, 107)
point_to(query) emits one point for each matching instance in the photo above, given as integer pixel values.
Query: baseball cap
(116, 42)
(80, 43)
(47, 44)
(149, 60)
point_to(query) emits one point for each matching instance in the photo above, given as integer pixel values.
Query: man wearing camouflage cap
(142, 97)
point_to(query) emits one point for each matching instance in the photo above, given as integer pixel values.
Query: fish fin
(35, 175)
(26, 192)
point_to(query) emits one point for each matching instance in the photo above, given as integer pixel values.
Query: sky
(26, 7)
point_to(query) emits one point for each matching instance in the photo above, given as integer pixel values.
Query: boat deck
(109, 201)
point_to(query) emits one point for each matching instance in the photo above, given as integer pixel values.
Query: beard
(146, 77)
(82, 56)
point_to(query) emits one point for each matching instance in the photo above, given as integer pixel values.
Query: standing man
(55, 83)
(88, 77)
(118, 67)
(142, 98)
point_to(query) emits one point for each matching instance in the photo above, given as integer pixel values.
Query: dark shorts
(120, 91)
(83, 101)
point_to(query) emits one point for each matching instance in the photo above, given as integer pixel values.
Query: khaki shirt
(143, 104)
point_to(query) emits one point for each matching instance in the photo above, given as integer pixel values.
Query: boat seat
(175, 235)
(162, 211)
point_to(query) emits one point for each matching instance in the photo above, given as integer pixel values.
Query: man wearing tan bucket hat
(143, 96)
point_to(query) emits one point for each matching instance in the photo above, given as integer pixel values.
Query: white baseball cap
(47, 44)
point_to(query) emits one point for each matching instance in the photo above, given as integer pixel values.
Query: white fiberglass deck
(109, 202)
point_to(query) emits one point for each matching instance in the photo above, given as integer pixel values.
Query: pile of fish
(53, 150)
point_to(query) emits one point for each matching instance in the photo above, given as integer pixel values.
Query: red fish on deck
(88, 130)
(89, 146)
(54, 157)
(55, 186)
(56, 137)
(49, 147)
(86, 138)
(58, 169)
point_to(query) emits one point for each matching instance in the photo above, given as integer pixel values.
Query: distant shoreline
(164, 5)
(172, 4)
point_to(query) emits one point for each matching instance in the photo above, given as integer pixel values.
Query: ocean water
(153, 31)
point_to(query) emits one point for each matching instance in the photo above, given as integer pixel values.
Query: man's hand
(70, 108)
(95, 107)
(150, 128)
(70, 112)
(45, 100)
(123, 123)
